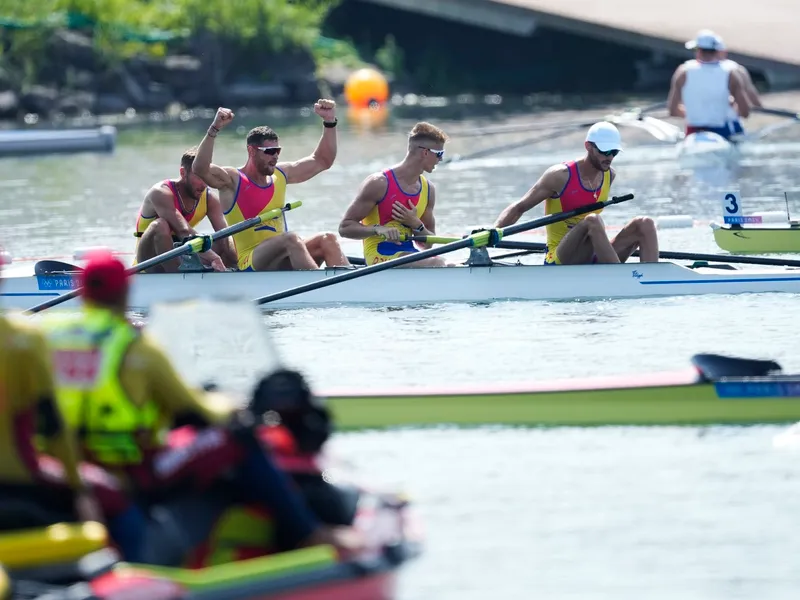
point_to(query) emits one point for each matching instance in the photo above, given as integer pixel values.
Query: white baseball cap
(705, 40)
(605, 136)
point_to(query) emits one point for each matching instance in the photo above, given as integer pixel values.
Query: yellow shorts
(245, 262)
(551, 258)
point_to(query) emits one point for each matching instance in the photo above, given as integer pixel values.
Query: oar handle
(429, 239)
(193, 245)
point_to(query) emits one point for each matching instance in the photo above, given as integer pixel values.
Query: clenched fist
(223, 118)
(325, 109)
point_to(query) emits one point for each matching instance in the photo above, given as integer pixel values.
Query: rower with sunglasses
(397, 203)
(567, 186)
(260, 185)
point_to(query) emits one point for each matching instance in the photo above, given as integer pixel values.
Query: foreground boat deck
(660, 399)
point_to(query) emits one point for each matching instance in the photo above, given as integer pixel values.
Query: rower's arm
(427, 217)
(372, 189)
(214, 176)
(675, 93)
(227, 251)
(551, 182)
(164, 206)
(737, 90)
(310, 166)
(750, 87)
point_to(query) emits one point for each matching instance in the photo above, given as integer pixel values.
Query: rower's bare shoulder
(375, 184)
(158, 191)
(557, 175)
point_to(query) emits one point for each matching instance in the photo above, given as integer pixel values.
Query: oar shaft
(548, 220)
(191, 246)
(476, 239)
(778, 112)
(733, 258)
(533, 247)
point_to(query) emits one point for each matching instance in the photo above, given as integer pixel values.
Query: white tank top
(706, 94)
(731, 66)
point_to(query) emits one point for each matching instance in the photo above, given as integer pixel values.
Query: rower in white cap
(566, 186)
(701, 88)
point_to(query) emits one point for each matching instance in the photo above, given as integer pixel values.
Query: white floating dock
(28, 142)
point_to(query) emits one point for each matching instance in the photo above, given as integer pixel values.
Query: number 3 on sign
(731, 205)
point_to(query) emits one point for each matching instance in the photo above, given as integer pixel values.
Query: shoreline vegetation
(61, 59)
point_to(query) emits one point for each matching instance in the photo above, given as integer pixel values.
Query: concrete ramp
(763, 35)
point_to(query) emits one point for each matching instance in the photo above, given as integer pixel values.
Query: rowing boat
(715, 390)
(705, 148)
(758, 239)
(411, 286)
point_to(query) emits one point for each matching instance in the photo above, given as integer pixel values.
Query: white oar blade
(214, 341)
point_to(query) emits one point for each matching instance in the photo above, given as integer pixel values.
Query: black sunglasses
(605, 152)
(271, 150)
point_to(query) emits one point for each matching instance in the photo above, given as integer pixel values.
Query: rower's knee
(329, 241)
(594, 225)
(159, 228)
(292, 240)
(644, 226)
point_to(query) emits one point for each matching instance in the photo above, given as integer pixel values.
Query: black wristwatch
(331, 124)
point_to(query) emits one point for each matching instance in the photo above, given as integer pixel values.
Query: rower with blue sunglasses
(567, 186)
(396, 204)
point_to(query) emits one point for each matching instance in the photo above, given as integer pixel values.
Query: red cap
(104, 278)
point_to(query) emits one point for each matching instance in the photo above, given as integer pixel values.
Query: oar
(538, 247)
(487, 237)
(778, 112)
(512, 146)
(198, 244)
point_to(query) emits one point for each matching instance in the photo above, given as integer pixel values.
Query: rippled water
(565, 513)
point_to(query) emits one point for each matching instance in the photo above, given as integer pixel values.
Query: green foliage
(389, 57)
(329, 51)
(123, 28)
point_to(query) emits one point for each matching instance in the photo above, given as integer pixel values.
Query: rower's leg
(587, 237)
(157, 239)
(325, 247)
(271, 253)
(640, 233)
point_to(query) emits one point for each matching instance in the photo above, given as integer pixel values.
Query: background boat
(27, 142)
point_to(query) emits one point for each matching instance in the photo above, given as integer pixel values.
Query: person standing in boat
(397, 203)
(169, 213)
(260, 185)
(116, 386)
(566, 186)
(701, 89)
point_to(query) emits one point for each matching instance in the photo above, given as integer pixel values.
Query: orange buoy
(367, 117)
(366, 87)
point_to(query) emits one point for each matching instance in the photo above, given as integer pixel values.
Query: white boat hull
(705, 148)
(409, 286)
